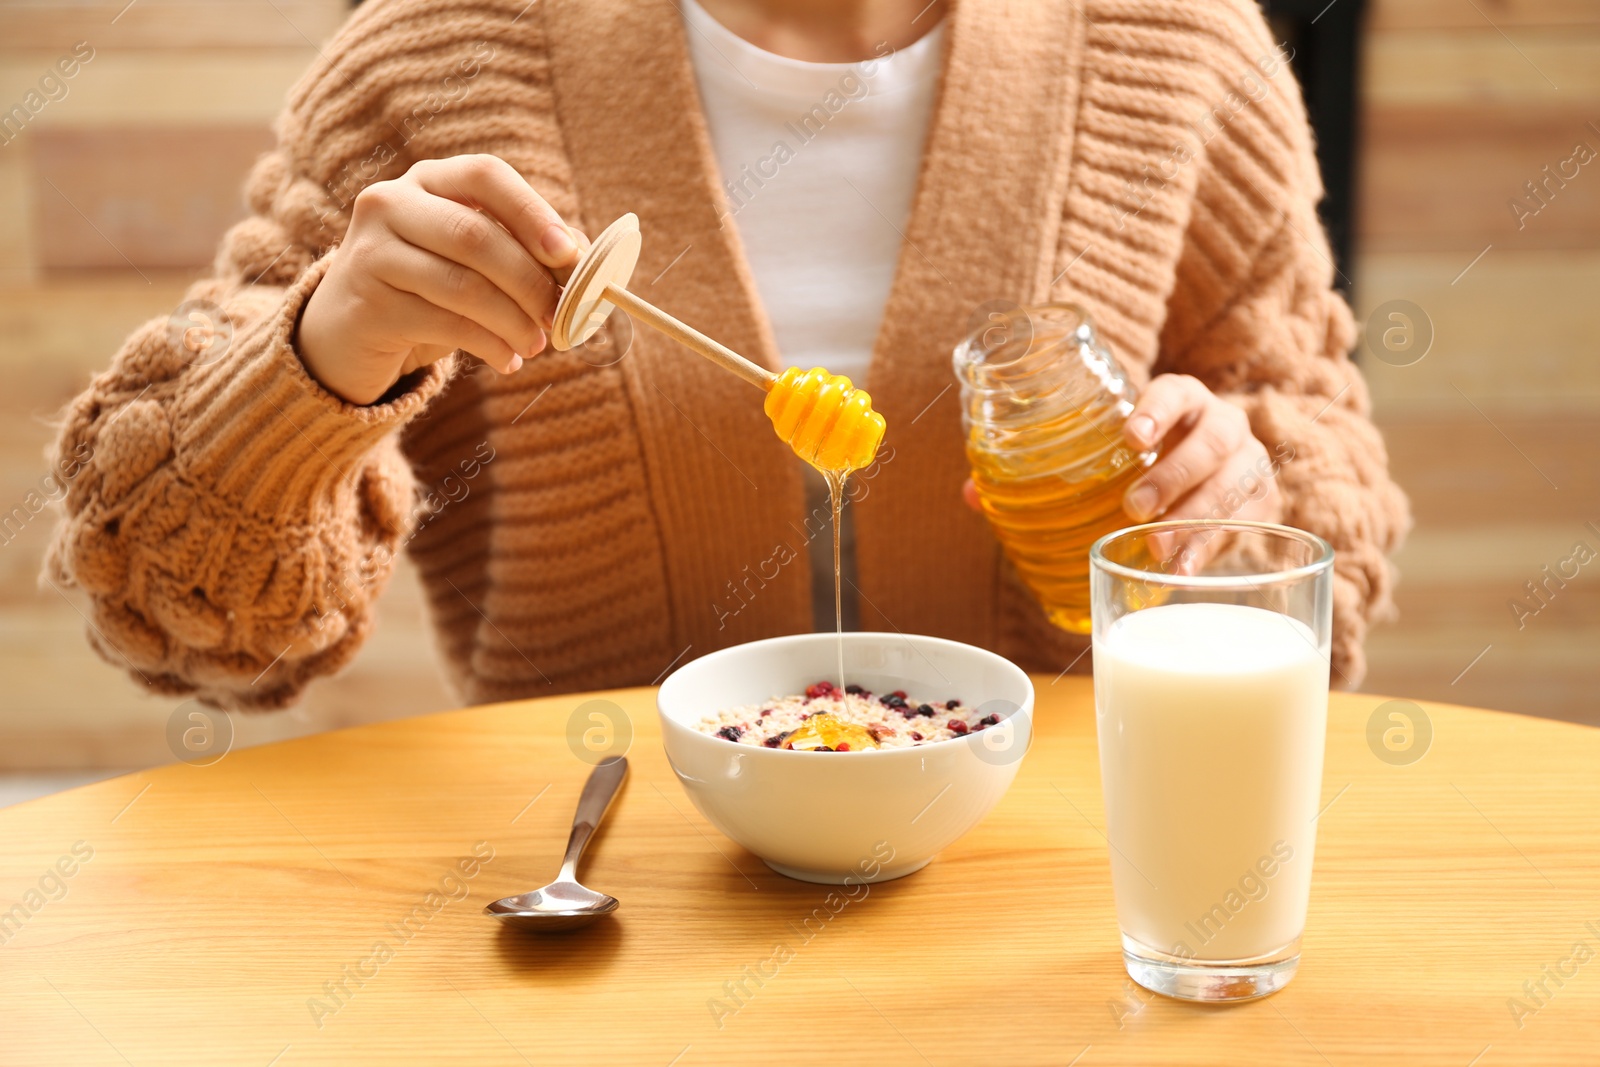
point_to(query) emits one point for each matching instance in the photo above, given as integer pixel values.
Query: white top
(819, 164)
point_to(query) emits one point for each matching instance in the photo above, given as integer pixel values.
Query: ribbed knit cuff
(255, 428)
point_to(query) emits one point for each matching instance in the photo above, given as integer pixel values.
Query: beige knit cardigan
(587, 523)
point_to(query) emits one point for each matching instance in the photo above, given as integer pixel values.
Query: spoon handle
(593, 803)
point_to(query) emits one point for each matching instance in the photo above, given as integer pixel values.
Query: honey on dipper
(827, 421)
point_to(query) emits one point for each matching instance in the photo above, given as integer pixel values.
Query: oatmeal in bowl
(826, 718)
(861, 781)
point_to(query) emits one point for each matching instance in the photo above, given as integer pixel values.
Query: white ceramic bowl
(850, 816)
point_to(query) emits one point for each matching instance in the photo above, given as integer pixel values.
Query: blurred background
(1459, 143)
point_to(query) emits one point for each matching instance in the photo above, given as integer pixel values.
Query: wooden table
(224, 907)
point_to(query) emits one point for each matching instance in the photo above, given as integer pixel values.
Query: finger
(420, 355)
(1182, 549)
(490, 183)
(1218, 433)
(969, 493)
(462, 235)
(1166, 404)
(1237, 491)
(435, 332)
(458, 288)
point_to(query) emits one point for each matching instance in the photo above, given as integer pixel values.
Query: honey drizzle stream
(835, 480)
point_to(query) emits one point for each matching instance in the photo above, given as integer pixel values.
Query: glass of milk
(1211, 700)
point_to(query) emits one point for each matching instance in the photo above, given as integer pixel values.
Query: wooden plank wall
(111, 199)
(1496, 431)
(113, 195)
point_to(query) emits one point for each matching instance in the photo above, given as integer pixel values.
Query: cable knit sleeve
(1253, 314)
(230, 520)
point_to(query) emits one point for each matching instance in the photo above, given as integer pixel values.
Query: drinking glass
(1211, 663)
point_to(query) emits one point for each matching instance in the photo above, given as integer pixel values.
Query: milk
(1211, 720)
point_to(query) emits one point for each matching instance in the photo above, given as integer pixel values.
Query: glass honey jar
(1043, 406)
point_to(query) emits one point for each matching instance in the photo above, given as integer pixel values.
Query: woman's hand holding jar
(1207, 454)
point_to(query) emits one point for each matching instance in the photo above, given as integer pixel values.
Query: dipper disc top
(583, 308)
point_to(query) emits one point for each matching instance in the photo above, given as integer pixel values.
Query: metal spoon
(564, 903)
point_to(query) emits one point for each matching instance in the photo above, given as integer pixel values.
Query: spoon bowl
(565, 904)
(558, 906)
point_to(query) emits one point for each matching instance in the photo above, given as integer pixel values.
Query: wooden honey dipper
(826, 420)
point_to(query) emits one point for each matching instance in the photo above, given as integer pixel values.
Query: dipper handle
(723, 356)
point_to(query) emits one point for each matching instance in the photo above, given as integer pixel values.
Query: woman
(803, 172)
